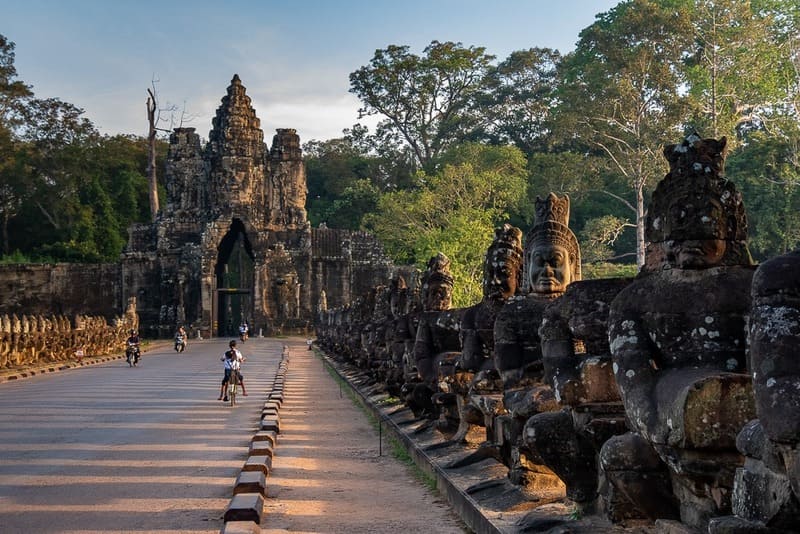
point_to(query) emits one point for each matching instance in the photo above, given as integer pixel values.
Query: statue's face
(439, 297)
(695, 253)
(501, 278)
(549, 269)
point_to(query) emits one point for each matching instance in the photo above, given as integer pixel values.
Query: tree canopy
(67, 193)
(466, 141)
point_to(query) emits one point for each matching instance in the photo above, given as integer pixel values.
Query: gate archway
(235, 281)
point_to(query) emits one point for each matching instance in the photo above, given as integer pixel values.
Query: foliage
(518, 97)
(767, 170)
(68, 194)
(622, 93)
(344, 178)
(598, 237)
(453, 211)
(595, 271)
(740, 64)
(426, 101)
(438, 173)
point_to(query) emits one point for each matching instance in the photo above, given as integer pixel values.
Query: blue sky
(294, 57)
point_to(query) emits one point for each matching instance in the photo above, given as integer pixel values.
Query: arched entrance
(234, 282)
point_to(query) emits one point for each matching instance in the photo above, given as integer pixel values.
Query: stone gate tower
(233, 243)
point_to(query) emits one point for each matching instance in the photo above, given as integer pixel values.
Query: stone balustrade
(32, 340)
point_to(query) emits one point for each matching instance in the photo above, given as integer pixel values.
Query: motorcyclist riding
(132, 352)
(180, 339)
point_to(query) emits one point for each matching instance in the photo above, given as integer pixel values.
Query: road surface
(108, 448)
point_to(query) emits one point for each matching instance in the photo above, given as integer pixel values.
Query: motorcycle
(132, 354)
(180, 343)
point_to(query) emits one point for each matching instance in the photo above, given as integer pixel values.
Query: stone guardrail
(31, 341)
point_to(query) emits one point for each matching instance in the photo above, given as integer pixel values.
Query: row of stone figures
(671, 395)
(34, 340)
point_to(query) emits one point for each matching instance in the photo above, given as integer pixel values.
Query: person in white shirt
(232, 361)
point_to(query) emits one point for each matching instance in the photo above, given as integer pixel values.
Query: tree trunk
(640, 220)
(151, 160)
(5, 234)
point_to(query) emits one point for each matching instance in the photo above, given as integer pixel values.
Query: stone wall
(61, 289)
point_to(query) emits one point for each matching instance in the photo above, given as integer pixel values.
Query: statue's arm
(508, 348)
(634, 365)
(561, 365)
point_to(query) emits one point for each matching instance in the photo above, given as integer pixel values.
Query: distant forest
(467, 141)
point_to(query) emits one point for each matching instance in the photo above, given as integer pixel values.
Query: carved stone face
(695, 253)
(438, 297)
(549, 269)
(500, 282)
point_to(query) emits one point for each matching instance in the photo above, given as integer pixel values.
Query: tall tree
(739, 68)
(425, 101)
(622, 93)
(518, 96)
(14, 96)
(767, 168)
(152, 132)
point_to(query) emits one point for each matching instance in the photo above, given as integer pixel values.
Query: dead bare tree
(152, 119)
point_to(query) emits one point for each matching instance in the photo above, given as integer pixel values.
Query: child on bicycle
(232, 362)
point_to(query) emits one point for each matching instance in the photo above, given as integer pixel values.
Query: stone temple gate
(233, 243)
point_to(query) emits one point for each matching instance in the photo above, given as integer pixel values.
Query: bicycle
(233, 384)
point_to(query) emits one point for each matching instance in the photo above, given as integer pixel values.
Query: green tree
(739, 69)
(426, 101)
(622, 93)
(14, 96)
(454, 211)
(518, 97)
(767, 169)
(356, 201)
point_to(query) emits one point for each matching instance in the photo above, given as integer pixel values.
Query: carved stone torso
(774, 333)
(670, 331)
(437, 333)
(574, 334)
(518, 352)
(477, 335)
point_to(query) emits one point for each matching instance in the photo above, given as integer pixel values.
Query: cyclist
(232, 362)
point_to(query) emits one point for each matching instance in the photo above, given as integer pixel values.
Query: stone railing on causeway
(33, 341)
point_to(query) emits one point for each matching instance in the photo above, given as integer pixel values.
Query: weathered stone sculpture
(677, 335)
(552, 263)
(401, 332)
(437, 335)
(767, 489)
(577, 365)
(472, 385)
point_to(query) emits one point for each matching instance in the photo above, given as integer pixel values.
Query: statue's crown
(552, 208)
(439, 271)
(509, 239)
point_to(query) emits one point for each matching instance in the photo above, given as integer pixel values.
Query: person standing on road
(232, 362)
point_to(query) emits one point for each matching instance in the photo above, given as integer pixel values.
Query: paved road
(109, 448)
